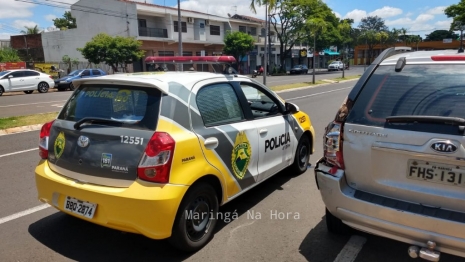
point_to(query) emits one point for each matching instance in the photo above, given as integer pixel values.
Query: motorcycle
(256, 73)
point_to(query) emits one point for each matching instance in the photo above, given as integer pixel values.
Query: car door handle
(211, 143)
(263, 131)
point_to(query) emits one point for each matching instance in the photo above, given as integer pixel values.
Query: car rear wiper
(78, 124)
(455, 121)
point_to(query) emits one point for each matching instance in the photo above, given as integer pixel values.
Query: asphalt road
(20, 104)
(30, 231)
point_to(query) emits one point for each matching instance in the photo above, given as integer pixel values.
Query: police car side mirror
(291, 108)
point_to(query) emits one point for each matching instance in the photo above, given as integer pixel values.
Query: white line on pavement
(316, 94)
(23, 213)
(351, 249)
(35, 103)
(18, 152)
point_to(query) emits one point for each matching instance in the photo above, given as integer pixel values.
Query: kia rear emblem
(83, 141)
(444, 147)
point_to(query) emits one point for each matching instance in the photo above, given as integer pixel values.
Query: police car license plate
(80, 207)
(436, 172)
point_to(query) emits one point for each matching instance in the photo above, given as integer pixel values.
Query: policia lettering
(278, 141)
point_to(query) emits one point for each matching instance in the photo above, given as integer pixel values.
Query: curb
(23, 129)
(20, 129)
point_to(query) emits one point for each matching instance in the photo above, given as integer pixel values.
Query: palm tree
(382, 37)
(31, 30)
(403, 31)
(271, 4)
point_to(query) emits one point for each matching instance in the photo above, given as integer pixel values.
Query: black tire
(71, 86)
(199, 198)
(1, 90)
(42, 87)
(335, 225)
(28, 92)
(302, 156)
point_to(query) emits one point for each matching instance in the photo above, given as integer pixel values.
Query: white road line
(23, 213)
(19, 152)
(316, 94)
(351, 249)
(35, 103)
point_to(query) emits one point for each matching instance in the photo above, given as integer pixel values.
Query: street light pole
(179, 33)
(265, 56)
(461, 28)
(269, 44)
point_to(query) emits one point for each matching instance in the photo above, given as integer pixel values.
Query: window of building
(242, 29)
(253, 31)
(142, 23)
(214, 30)
(183, 27)
(186, 53)
(165, 53)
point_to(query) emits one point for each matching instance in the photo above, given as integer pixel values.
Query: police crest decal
(59, 145)
(241, 155)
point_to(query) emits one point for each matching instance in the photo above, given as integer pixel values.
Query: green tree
(67, 22)
(370, 27)
(457, 13)
(416, 39)
(113, 51)
(31, 30)
(8, 54)
(439, 35)
(270, 3)
(70, 62)
(238, 44)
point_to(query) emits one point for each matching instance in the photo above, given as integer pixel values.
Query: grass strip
(296, 85)
(15, 121)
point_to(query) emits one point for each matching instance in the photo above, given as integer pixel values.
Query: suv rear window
(423, 90)
(133, 107)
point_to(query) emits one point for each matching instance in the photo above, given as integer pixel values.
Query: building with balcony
(157, 28)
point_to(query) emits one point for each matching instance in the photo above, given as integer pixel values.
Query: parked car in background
(336, 66)
(393, 155)
(66, 82)
(25, 80)
(299, 69)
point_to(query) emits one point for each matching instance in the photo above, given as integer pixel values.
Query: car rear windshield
(129, 106)
(418, 90)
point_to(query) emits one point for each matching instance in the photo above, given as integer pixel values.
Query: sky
(419, 17)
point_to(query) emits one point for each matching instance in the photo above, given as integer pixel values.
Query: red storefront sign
(12, 65)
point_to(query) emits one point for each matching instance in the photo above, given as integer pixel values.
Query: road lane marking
(19, 152)
(38, 103)
(316, 94)
(23, 213)
(351, 249)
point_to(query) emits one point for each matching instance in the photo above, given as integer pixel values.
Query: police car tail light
(155, 164)
(332, 145)
(43, 139)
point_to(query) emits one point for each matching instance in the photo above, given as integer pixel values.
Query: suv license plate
(80, 207)
(436, 172)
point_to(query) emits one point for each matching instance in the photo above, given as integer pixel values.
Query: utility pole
(461, 27)
(179, 33)
(366, 52)
(314, 56)
(269, 44)
(265, 55)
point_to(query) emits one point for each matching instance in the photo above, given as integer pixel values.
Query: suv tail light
(332, 145)
(155, 164)
(43, 139)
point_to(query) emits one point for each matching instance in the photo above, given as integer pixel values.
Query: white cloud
(386, 12)
(356, 14)
(398, 22)
(408, 14)
(20, 24)
(50, 17)
(439, 10)
(337, 15)
(424, 18)
(5, 36)
(221, 9)
(444, 24)
(15, 9)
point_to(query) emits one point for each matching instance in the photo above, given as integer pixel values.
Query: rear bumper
(387, 222)
(144, 208)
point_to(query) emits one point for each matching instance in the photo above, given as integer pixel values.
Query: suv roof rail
(390, 52)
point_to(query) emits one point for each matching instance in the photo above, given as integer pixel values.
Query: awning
(331, 53)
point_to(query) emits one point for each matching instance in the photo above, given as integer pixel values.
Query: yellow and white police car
(158, 153)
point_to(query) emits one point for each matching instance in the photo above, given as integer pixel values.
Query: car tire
(42, 87)
(28, 92)
(335, 225)
(302, 156)
(71, 86)
(1, 90)
(185, 236)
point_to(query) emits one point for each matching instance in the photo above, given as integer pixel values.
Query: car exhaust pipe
(427, 253)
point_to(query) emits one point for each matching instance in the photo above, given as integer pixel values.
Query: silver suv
(394, 156)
